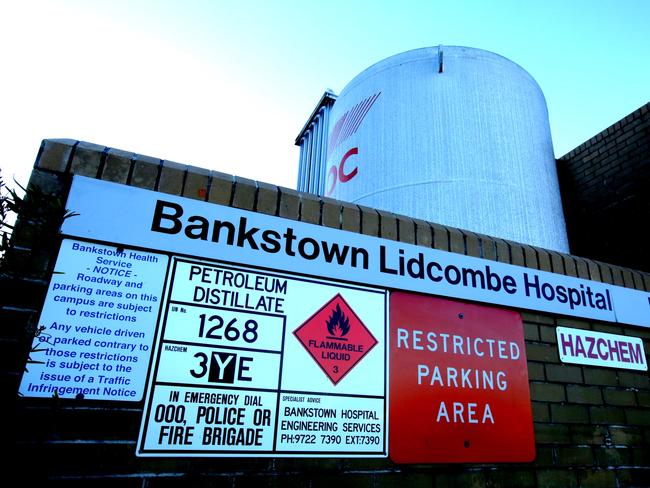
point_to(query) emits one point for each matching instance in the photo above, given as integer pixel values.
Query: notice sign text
(97, 325)
(458, 383)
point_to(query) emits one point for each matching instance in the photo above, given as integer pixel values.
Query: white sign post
(231, 376)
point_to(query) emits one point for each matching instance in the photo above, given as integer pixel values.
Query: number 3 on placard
(203, 363)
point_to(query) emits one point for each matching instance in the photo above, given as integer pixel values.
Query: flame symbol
(338, 324)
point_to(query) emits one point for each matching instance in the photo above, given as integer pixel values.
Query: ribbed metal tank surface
(454, 135)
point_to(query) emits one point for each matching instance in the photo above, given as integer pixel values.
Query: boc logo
(346, 126)
(339, 173)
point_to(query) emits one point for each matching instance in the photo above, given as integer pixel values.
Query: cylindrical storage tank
(453, 135)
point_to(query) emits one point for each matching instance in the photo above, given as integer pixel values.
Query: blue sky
(228, 85)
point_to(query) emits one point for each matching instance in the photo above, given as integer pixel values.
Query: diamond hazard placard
(336, 338)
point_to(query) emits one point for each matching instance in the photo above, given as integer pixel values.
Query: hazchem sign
(248, 362)
(458, 383)
(579, 346)
(97, 324)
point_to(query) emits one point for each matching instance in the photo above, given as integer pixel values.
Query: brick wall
(592, 425)
(605, 184)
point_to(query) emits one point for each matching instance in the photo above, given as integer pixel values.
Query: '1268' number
(230, 333)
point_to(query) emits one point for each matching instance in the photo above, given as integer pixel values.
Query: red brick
(55, 154)
(508, 477)
(575, 456)
(196, 183)
(637, 416)
(472, 244)
(388, 225)
(221, 188)
(369, 221)
(569, 265)
(547, 334)
(331, 213)
(569, 414)
(489, 247)
(310, 208)
(626, 435)
(531, 257)
(547, 392)
(145, 172)
(406, 230)
(502, 251)
(584, 394)
(542, 352)
(289, 203)
(619, 397)
(171, 178)
(563, 373)
(456, 241)
(244, 196)
(557, 479)
(86, 159)
(544, 259)
(541, 412)
(606, 415)
(517, 254)
(588, 434)
(634, 379)
(531, 332)
(600, 376)
(557, 263)
(536, 371)
(591, 478)
(551, 433)
(440, 237)
(267, 198)
(594, 270)
(423, 233)
(536, 318)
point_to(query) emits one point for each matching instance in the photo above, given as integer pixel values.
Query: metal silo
(453, 135)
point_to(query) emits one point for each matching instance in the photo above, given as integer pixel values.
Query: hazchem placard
(256, 363)
(578, 346)
(97, 325)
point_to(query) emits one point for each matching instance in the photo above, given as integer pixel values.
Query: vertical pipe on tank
(314, 156)
(319, 145)
(308, 158)
(301, 165)
(323, 172)
(305, 160)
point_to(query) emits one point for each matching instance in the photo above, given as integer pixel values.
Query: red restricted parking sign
(336, 338)
(458, 383)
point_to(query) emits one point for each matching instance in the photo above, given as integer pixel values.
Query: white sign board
(184, 226)
(248, 361)
(580, 346)
(97, 324)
